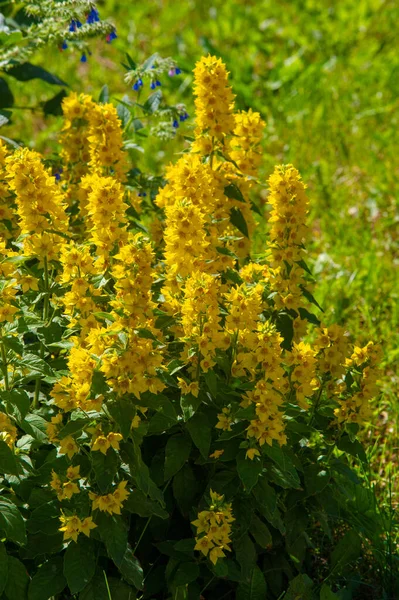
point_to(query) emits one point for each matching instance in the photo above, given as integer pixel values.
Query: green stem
(5, 369)
(106, 583)
(46, 310)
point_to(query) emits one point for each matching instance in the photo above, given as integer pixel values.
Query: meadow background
(324, 75)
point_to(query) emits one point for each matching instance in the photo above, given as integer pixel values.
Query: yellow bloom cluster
(74, 139)
(68, 487)
(8, 225)
(214, 528)
(214, 101)
(245, 145)
(72, 526)
(107, 156)
(40, 203)
(111, 503)
(288, 232)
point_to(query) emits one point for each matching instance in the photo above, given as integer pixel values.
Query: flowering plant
(174, 417)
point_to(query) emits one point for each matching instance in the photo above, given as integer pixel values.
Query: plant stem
(5, 369)
(46, 308)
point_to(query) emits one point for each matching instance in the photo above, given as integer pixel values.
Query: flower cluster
(214, 528)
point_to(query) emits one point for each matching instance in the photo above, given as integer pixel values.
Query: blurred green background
(324, 74)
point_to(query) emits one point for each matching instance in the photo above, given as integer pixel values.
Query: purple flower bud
(171, 72)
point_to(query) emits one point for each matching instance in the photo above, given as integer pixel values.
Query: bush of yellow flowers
(175, 420)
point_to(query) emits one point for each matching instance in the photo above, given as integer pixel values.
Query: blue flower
(111, 36)
(75, 24)
(153, 85)
(136, 86)
(93, 16)
(142, 194)
(140, 82)
(64, 46)
(158, 83)
(177, 71)
(83, 58)
(175, 123)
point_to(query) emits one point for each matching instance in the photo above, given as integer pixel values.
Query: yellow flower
(87, 525)
(114, 439)
(216, 454)
(101, 443)
(68, 446)
(73, 472)
(251, 453)
(204, 545)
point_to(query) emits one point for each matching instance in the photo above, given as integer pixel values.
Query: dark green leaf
(18, 580)
(285, 469)
(233, 192)
(316, 479)
(27, 71)
(284, 325)
(48, 580)
(246, 555)
(346, 551)
(261, 533)
(3, 568)
(354, 448)
(73, 426)
(248, 471)
(237, 219)
(310, 297)
(131, 569)
(327, 594)
(53, 106)
(139, 504)
(185, 573)
(253, 587)
(200, 431)
(79, 564)
(266, 498)
(310, 317)
(6, 96)
(45, 518)
(18, 403)
(177, 451)
(36, 426)
(105, 468)
(8, 463)
(11, 521)
(300, 587)
(113, 532)
(185, 487)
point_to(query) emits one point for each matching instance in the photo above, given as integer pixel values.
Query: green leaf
(137, 503)
(45, 519)
(153, 102)
(316, 479)
(165, 417)
(123, 411)
(252, 587)
(246, 555)
(310, 297)
(104, 95)
(18, 403)
(8, 463)
(73, 426)
(185, 487)
(284, 325)
(266, 498)
(6, 96)
(177, 452)
(326, 593)
(36, 364)
(131, 569)
(131, 453)
(27, 71)
(189, 405)
(79, 564)
(185, 573)
(287, 474)
(310, 317)
(36, 426)
(18, 580)
(48, 580)
(53, 106)
(354, 448)
(233, 192)
(261, 533)
(200, 431)
(238, 220)
(11, 522)
(346, 551)
(3, 568)
(105, 468)
(248, 471)
(113, 532)
(300, 587)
